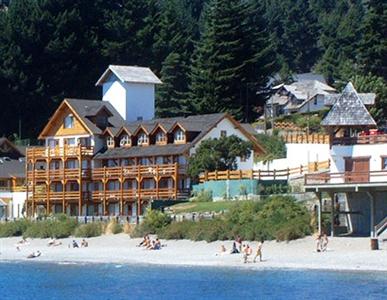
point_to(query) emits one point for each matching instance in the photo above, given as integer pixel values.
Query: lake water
(111, 281)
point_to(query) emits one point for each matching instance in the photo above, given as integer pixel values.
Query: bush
(59, 227)
(154, 222)
(88, 230)
(113, 227)
(15, 228)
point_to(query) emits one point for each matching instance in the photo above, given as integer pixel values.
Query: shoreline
(344, 254)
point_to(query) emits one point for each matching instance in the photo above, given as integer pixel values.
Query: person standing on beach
(259, 251)
(318, 242)
(246, 253)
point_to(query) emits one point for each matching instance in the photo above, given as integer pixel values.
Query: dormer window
(110, 142)
(125, 141)
(69, 121)
(179, 136)
(142, 139)
(161, 138)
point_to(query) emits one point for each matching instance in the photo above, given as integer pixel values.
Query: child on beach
(324, 243)
(318, 242)
(246, 253)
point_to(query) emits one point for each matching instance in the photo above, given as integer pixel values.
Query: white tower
(131, 91)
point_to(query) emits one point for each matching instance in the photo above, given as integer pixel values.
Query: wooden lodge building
(111, 157)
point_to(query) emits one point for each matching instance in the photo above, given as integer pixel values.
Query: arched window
(179, 136)
(69, 121)
(125, 140)
(142, 139)
(110, 142)
(160, 137)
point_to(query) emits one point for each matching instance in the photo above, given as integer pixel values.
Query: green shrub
(154, 222)
(176, 231)
(15, 228)
(88, 230)
(58, 227)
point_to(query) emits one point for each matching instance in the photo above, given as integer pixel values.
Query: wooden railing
(346, 177)
(11, 189)
(66, 151)
(306, 139)
(56, 196)
(287, 126)
(165, 170)
(364, 139)
(265, 174)
(58, 174)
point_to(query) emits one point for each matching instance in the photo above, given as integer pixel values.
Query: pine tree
(232, 57)
(373, 46)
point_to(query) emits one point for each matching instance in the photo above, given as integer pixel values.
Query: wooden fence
(314, 138)
(283, 174)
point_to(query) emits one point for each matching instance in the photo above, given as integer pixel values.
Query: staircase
(381, 227)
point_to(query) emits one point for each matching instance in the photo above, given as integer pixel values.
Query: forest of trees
(212, 55)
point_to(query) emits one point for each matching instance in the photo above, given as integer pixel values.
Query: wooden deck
(58, 152)
(346, 178)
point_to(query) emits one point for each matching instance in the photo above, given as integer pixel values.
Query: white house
(131, 91)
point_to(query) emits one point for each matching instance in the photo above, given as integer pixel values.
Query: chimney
(131, 91)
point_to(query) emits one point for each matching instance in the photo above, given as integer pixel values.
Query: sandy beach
(343, 253)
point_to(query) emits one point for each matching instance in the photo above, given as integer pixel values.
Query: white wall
(374, 151)
(312, 106)
(140, 101)
(296, 155)
(15, 206)
(226, 124)
(115, 93)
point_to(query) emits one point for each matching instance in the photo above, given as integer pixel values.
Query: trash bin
(374, 244)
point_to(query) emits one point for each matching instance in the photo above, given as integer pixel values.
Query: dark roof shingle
(348, 110)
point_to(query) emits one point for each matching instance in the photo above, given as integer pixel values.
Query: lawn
(201, 206)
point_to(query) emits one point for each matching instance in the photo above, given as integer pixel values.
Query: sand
(343, 253)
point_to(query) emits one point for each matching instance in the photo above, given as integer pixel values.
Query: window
(70, 142)
(52, 143)
(142, 139)
(160, 138)
(179, 135)
(223, 133)
(125, 141)
(315, 101)
(139, 118)
(384, 162)
(243, 158)
(69, 122)
(110, 142)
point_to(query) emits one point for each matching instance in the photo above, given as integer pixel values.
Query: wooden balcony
(115, 173)
(346, 178)
(134, 194)
(361, 140)
(58, 152)
(58, 174)
(70, 196)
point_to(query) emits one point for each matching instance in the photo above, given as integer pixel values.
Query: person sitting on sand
(222, 250)
(144, 241)
(259, 251)
(238, 240)
(22, 241)
(75, 244)
(84, 244)
(51, 242)
(34, 254)
(324, 243)
(246, 253)
(234, 249)
(157, 245)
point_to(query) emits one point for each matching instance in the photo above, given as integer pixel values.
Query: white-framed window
(110, 142)
(179, 136)
(223, 133)
(125, 140)
(142, 139)
(69, 121)
(161, 137)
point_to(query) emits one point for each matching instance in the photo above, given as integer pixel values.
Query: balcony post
(80, 181)
(319, 212)
(157, 182)
(176, 179)
(372, 214)
(332, 196)
(122, 191)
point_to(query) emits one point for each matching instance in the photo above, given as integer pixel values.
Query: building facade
(97, 162)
